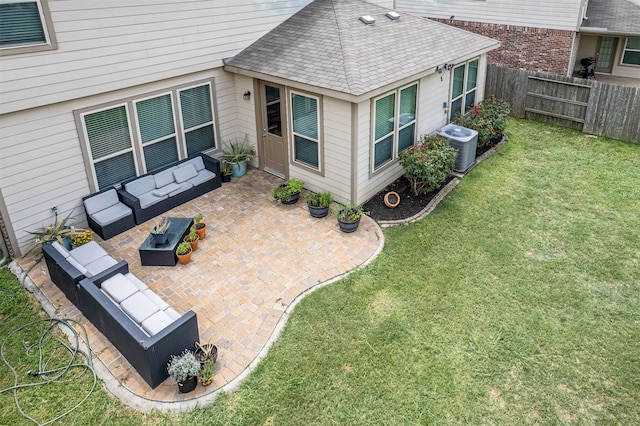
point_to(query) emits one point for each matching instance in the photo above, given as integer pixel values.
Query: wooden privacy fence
(591, 106)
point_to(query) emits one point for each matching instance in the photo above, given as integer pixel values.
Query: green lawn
(517, 301)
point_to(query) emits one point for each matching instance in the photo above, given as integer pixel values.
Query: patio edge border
(139, 403)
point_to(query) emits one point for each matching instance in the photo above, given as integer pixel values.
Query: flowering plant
(428, 164)
(83, 238)
(162, 227)
(489, 119)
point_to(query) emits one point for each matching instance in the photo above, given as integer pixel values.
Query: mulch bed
(410, 204)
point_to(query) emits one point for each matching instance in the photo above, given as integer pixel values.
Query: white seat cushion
(139, 307)
(166, 190)
(111, 214)
(119, 287)
(183, 187)
(164, 177)
(197, 162)
(149, 199)
(156, 322)
(203, 176)
(101, 201)
(99, 265)
(88, 253)
(60, 249)
(141, 286)
(140, 186)
(77, 265)
(183, 174)
(156, 299)
(172, 313)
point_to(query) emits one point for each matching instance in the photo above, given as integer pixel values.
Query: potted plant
(159, 232)
(238, 154)
(61, 231)
(192, 238)
(318, 203)
(206, 373)
(201, 227)
(349, 217)
(183, 251)
(82, 238)
(288, 192)
(206, 352)
(184, 369)
(227, 171)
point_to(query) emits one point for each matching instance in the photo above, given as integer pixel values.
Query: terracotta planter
(184, 258)
(194, 244)
(201, 230)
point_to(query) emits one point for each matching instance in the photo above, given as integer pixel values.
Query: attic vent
(367, 19)
(394, 16)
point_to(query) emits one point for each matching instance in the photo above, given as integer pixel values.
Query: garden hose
(77, 359)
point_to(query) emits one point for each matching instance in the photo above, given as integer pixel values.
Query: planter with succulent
(184, 369)
(349, 217)
(206, 352)
(201, 227)
(237, 155)
(183, 251)
(192, 238)
(206, 373)
(318, 203)
(61, 231)
(227, 171)
(159, 232)
(288, 192)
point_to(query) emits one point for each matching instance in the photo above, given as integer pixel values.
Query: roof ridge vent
(368, 19)
(394, 16)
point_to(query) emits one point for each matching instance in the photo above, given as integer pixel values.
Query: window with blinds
(394, 124)
(157, 131)
(631, 54)
(117, 154)
(463, 88)
(305, 118)
(23, 26)
(197, 119)
(109, 138)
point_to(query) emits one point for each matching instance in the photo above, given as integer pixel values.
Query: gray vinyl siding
(42, 161)
(110, 45)
(556, 14)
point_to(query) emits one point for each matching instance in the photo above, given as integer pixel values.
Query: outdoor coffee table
(152, 254)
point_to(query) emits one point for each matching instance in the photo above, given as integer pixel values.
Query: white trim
(395, 132)
(294, 133)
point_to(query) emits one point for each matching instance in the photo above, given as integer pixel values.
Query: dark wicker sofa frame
(147, 355)
(142, 215)
(63, 274)
(112, 229)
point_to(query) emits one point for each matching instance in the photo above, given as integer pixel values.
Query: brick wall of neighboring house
(537, 49)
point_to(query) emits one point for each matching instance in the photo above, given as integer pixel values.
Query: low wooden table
(152, 254)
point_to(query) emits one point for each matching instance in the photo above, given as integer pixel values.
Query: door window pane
(274, 120)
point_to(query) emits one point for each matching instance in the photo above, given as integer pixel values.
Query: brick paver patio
(257, 258)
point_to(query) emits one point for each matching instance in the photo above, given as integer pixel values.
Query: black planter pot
(226, 178)
(349, 227)
(294, 198)
(160, 239)
(318, 211)
(188, 385)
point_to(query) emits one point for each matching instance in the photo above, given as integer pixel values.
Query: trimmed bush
(489, 119)
(428, 164)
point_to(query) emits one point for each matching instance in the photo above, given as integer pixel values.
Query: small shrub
(489, 119)
(319, 199)
(183, 366)
(183, 248)
(428, 164)
(349, 212)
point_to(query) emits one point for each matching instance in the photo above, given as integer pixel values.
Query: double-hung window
(25, 26)
(170, 126)
(631, 54)
(464, 87)
(305, 119)
(394, 124)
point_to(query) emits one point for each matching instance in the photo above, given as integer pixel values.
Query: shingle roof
(617, 16)
(326, 45)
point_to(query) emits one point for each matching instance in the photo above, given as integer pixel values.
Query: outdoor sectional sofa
(68, 268)
(154, 193)
(145, 330)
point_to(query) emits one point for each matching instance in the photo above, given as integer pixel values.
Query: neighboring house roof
(613, 16)
(326, 45)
